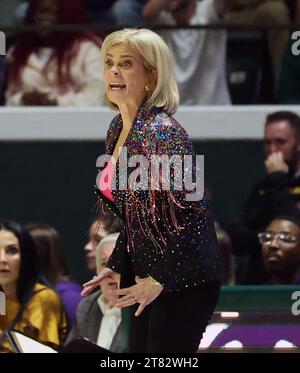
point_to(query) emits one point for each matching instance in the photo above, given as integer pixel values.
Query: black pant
(174, 322)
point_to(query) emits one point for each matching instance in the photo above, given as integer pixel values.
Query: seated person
(96, 319)
(99, 229)
(54, 68)
(280, 247)
(264, 13)
(277, 191)
(199, 55)
(31, 307)
(53, 266)
(115, 12)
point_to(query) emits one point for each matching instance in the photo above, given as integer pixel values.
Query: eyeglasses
(267, 237)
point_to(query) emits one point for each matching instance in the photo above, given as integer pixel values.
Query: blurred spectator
(264, 13)
(280, 245)
(53, 266)
(289, 78)
(199, 54)
(54, 67)
(31, 307)
(96, 319)
(115, 12)
(279, 190)
(98, 230)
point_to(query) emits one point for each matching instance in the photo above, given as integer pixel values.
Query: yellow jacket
(43, 318)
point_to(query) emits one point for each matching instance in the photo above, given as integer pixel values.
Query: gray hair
(109, 238)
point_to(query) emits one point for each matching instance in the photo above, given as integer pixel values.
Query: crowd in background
(42, 300)
(59, 68)
(218, 66)
(261, 247)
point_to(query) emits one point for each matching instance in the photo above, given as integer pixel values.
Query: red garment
(105, 180)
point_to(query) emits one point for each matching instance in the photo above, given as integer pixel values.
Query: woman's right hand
(96, 281)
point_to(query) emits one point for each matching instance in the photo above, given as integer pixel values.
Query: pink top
(105, 180)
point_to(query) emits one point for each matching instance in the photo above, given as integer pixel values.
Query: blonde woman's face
(10, 258)
(125, 75)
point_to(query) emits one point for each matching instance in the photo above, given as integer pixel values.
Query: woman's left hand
(144, 292)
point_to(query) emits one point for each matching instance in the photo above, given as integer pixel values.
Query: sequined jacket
(164, 236)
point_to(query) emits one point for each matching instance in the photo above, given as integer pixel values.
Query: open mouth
(117, 86)
(4, 270)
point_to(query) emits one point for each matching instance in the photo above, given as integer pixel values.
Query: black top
(165, 236)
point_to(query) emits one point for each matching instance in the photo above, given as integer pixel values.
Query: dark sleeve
(244, 240)
(166, 269)
(267, 200)
(170, 139)
(74, 332)
(81, 312)
(120, 260)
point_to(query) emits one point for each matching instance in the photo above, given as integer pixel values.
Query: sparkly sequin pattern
(165, 236)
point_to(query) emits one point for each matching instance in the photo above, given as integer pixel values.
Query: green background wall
(53, 182)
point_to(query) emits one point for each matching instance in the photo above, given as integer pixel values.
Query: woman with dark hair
(53, 266)
(31, 307)
(49, 67)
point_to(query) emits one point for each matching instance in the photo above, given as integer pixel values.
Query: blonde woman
(166, 258)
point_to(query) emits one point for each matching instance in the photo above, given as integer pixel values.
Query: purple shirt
(69, 293)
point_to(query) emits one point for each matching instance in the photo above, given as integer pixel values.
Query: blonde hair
(157, 56)
(109, 238)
